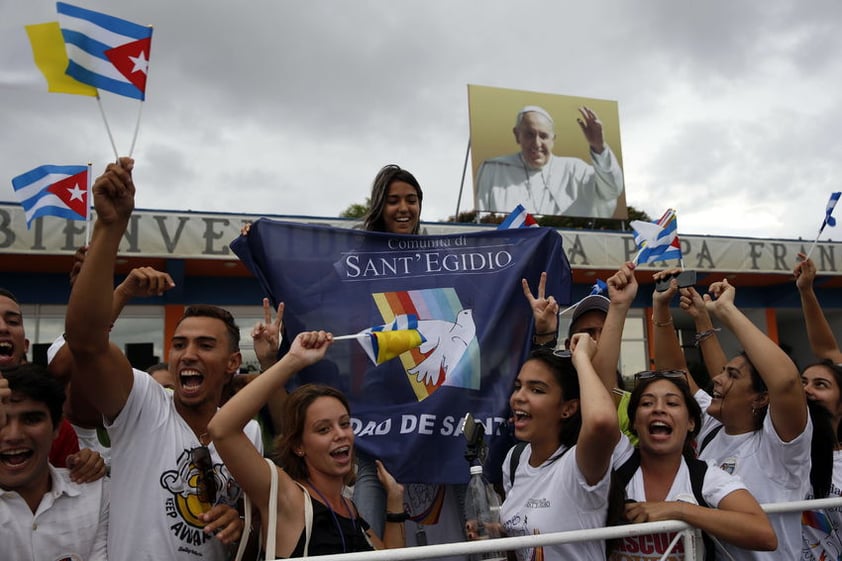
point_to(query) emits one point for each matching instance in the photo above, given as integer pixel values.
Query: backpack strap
(708, 437)
(697, 469)
(514, 461)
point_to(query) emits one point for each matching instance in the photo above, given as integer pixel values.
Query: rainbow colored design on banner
(443, 305)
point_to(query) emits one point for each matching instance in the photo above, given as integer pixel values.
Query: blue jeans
(369, 494)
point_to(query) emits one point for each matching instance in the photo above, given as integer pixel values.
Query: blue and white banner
(465, 291)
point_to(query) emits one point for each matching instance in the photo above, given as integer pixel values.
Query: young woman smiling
(315, 456)
(660, 482)
(561, 479)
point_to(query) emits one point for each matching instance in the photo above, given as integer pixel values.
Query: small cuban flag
(51, 190)
(518, 218)
(599, 287)
(829, 220)
(385, 342)
(105, 52)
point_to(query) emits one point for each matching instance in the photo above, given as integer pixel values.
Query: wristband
(661, 323)
(397, 516)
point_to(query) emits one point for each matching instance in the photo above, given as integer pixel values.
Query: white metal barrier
(464, 548)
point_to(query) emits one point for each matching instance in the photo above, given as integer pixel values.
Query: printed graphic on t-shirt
(186, 504)
(647, 548)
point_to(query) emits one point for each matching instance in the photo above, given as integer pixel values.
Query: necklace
(545, 179)
(333, 514)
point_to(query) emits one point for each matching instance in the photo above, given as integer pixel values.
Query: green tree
(571, 222)
(356, 210)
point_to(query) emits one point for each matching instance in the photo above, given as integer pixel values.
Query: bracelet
(398, 517)
(702, 335)
(551, 344)
(660, 323)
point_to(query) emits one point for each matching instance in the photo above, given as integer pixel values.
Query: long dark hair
(292, 425)
(690, 402)
(565, 374)
(373, 219)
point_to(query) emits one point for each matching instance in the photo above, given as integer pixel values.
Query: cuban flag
(518, 218)
(657, 241)
(105, 52)
(829, 220)
(51, 190)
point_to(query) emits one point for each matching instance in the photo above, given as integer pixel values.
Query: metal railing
(685, 532)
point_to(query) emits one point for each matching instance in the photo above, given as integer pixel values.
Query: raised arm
(226, 427)
(787, 401)
(706, 337)
(738, 519)
(822, 341)
(266, 336)
(668, 352)
(622, 289)
(100, 370)
(600, 430)
(544, 311)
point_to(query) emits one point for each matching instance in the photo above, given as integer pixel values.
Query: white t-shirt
(773, 470)
(565, 185)
(820, 529)
(156, 502)
(554, 497)
(716, 486)
(71, 522)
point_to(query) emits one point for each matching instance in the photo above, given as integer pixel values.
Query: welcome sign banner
(463, 293)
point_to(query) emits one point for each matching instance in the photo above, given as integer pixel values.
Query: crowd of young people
(182, 458)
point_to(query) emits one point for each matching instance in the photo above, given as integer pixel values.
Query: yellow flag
(51, 59)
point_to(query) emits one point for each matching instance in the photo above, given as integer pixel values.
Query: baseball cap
(594, 302)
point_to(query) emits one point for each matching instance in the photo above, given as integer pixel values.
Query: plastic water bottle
(482, 508)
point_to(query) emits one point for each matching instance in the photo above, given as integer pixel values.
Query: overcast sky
(729, 111)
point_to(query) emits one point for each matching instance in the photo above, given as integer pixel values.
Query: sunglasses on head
(206, 482)
(660, 374)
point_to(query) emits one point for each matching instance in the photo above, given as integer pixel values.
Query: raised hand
(720, 295)
(309, 347)
(266, 335)
(544, 309)
(622, 286)
(592, 129)
(114, 193)
(146, 281)
(804, 272)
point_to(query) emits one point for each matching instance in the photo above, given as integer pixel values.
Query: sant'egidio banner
(194, 235)
(463, 295)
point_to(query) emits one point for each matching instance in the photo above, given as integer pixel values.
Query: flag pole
(89, 204)
(813, 246)
(136, 128)
(107, 128)
(140, 109)
(347, 337)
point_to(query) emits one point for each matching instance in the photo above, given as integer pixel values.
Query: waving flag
(599, 287)
(829, 220)
(518, 218)
(108, 53)
(42, 44)
(53, 191)
(385, 342)
(657, 241)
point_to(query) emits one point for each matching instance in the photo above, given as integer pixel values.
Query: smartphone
(685, 279)
(473, 431)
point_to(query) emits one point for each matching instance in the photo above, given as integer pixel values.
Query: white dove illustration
(447, 341)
